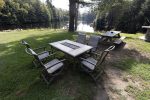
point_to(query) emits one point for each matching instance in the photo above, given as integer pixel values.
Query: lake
(82, 27)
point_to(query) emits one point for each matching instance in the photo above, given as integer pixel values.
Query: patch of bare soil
(116, 81)
(115, 84)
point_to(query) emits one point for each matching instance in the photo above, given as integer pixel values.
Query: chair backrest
(31, 52)
(93, 41)
(34, 54)
(103, 55)
(23, 42)
(81, 38)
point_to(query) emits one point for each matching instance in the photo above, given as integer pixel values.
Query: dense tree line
(29, 14)
(125, 15)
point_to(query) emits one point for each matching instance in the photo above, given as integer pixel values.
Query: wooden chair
(41, 51)
(93, 41)
(81, 38)
(92, 65)
(51, 68)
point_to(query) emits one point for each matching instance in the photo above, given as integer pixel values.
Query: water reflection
(82, 27)
(85, 27)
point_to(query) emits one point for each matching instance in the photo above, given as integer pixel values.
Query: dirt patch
(115, 84)
(116, 81)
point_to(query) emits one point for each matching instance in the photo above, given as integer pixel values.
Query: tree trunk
(76, 17)
(72, 14)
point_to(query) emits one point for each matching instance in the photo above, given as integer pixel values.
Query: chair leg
(89, 73)
(43, 76)
(35, 64)
(47, 79)
(99, 73)
(95, 76)
(94, 79)
(98, 76)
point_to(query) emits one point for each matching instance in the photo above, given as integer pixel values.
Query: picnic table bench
(120, 40)
(147, 36)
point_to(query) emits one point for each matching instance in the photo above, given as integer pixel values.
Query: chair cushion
(43, 55)
(88, 64)
(53, 66)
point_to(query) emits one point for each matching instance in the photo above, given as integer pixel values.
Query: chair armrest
(44, 52)
(62, 60)
(27, 51)
(87, 61)
(110, 48)
(44, 47)
(95, 53)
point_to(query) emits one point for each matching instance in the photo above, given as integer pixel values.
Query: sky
(64, 4)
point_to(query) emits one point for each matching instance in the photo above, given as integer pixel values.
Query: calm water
(83, 27)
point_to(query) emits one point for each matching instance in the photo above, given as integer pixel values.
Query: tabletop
(148, 27)
(111, 33)
(70, 47)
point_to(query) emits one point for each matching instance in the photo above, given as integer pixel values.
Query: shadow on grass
(132, 61)
(15, 64)
(20, 80)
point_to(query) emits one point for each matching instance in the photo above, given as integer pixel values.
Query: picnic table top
(70, 47)
(111, 33)
(148, 27)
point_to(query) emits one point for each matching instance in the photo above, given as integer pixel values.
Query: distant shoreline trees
(30, 14)
(125, 15)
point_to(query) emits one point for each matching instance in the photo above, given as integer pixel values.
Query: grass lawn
(135, 61)
(19, 79)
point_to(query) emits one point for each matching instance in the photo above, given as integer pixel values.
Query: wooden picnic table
(147, 36)
(110, 36)
(71, 48)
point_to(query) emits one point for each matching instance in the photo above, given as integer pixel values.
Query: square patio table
(72, 48)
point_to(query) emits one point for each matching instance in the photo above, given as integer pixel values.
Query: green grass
(19, 79)
(136, 62)
(134, 40)
(138, 59)
(138, 68)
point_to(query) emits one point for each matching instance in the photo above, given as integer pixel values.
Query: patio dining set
(82, 50)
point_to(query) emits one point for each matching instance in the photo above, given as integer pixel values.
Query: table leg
(147, 36)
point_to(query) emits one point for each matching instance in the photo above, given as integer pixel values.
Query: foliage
(1, 4)
(28, 14)
(125, 15)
